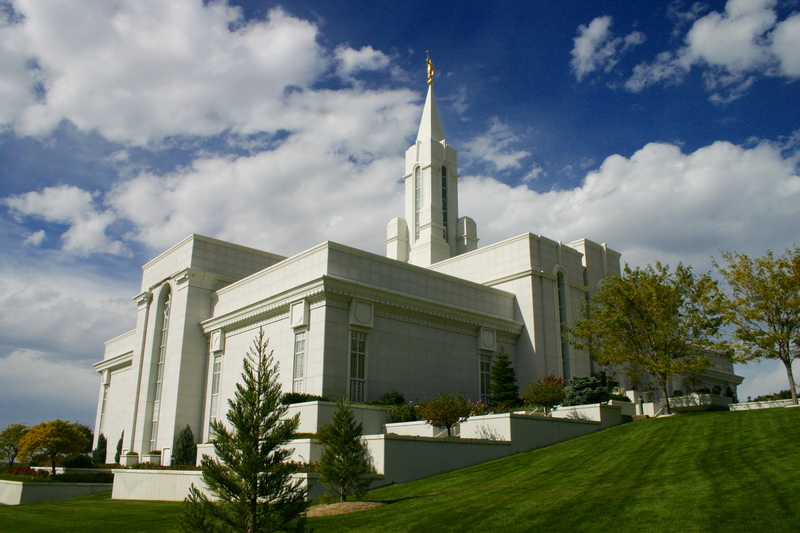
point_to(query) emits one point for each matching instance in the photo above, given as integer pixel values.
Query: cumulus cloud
(495, 147)
(67, 204)
(35, 239)
(351, 61)
(139, 70)
(595, 47)
(732, 48)
(658, 204)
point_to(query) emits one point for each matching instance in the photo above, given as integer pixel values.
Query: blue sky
(669, 130)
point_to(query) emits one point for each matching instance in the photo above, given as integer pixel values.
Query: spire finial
(430, 67)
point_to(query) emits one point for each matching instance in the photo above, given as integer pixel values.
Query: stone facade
(427, 318)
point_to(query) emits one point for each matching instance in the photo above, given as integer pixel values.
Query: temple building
(427, 318)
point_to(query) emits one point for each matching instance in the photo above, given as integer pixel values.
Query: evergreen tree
(185, 448)
(345, 458)
(250, 479)
(99, 453)
(503, 382)
(119, 447)
(585, 389)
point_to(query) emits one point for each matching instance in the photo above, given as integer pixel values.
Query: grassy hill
(721, 471)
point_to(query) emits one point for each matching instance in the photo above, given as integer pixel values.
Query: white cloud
(659, 204)
(495, 147)
(351, 61)
(139, 70)
(732, 47)
(596, 48)
(67, 204)
(35, 239)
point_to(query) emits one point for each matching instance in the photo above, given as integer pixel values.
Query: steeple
(430, 127)
(431, 230)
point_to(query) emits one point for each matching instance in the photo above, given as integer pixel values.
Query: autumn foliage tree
(653, 320)
(764, 307)
(545, 393)
(445, 410)
(55, 440)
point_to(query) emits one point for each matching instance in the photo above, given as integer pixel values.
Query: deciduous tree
(764, 307)
(55, 440)
(655, 321)
(250, 477)
(503, 382)
(9, 441)
(446, 410)
(545, 393)
(345, 458)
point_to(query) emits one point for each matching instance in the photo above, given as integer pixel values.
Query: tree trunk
(790, 375)
(53, 465)
(662, 385)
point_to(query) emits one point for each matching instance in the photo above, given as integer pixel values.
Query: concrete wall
(746, 406)
(19, 492)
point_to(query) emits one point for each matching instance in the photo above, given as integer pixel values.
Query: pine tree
(503, 382)
(185, 448)
(99, 453)
(250, 479)
(119, 447)
(345, 458)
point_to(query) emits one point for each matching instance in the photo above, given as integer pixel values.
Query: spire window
(417, 200)
(444, 202)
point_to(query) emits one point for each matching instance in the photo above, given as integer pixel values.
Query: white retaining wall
(607, 415)
(746, 406)
(315, 414)
(18, 492)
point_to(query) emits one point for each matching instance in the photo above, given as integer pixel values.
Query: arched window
(417, 200)
(562, 320)
(444, 202)
(162, 353)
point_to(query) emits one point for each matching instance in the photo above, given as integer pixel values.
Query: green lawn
(704, 472)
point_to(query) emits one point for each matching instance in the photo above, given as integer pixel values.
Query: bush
(446, 410)
(394, 397)
(289, 398)
(716, 389)
(94, 477)
(585, 389)
(620, 397)
(78, 461)
(677, 393)
(405, 412)
(545, 393)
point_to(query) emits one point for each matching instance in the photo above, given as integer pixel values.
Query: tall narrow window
(444, 202)
(417, 200)
(358, 366)
(298, 384)
(215, 379)
(562, 318)
(103, 409)
(485, 372)
(162, 352)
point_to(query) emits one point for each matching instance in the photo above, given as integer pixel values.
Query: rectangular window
(444, 202)
(417, 200)
(215, 378)
(103, 409)
(358, 366)
(485, 372)
(298, 384)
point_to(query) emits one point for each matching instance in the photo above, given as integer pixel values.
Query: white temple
(427, 318)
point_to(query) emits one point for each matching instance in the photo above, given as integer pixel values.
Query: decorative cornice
(119, 361)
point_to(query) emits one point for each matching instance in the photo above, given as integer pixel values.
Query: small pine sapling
(345, 458)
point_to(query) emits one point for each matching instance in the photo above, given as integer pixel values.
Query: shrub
(545, 393)
(446, 410)
(677, 393)
(119, 448)
(393, 397)
(93, 477)
(619, 397)
(289, 398)
(716, 389)
(78, 461)
(585, 389)
(185, 448)
(405, 412)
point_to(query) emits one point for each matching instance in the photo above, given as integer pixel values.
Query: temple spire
(430, 127)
